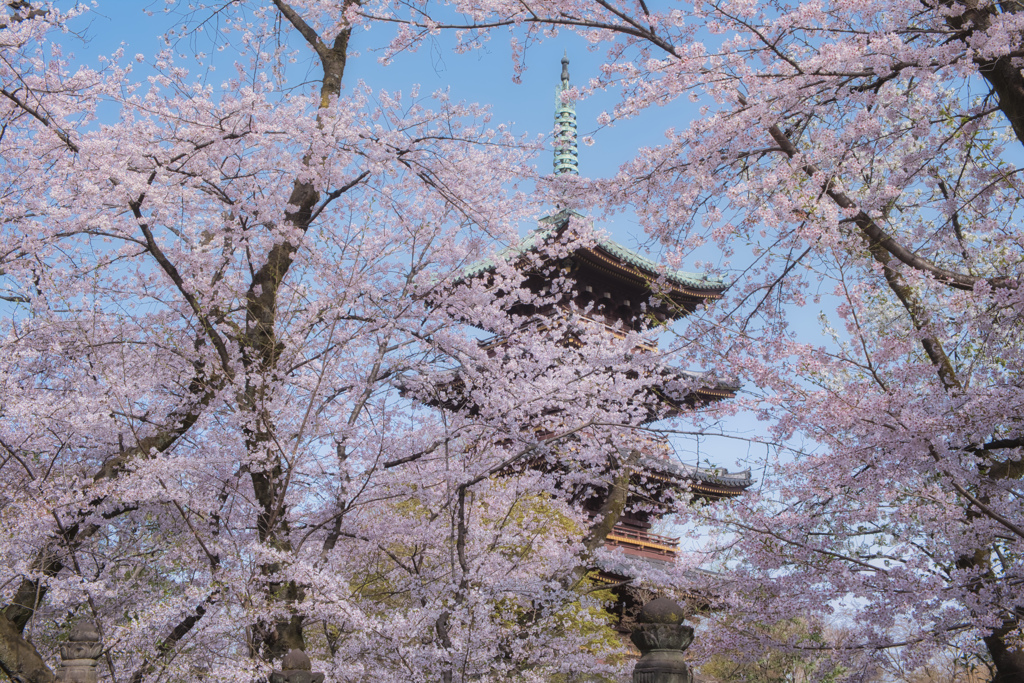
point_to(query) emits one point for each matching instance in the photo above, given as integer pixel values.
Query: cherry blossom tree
(234, 316)
(862, 161)
(219, 331)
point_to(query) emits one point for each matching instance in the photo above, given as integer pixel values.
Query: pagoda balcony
(643, 543)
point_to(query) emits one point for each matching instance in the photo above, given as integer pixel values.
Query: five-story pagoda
(615, 291)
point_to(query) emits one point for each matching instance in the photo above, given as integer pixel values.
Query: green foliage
(796, 655)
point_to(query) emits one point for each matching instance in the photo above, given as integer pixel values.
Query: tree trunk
(261, 350)
(19, 659)
(1009, 665)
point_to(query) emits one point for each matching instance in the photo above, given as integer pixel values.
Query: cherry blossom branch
(881, 248)
(17, 613)
(332, 58)
(797, 544)
(388, 464)
(613, 505)
(632, 28)
(304, 29)
(180, 630)
(521, 455)
(43, 119)
(1001, 72)
(17, 16)
(986, 509)
(887, 645)
(380, 546)
(878, 236)
(172, 272)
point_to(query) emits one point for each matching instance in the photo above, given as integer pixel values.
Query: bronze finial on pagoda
(566, 151)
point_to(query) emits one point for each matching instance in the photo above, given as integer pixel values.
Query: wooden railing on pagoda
(643, 543)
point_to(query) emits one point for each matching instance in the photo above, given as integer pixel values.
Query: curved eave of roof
(697, 284)
(718, 477)
(708, 388)
(701, 284)
(698, 376)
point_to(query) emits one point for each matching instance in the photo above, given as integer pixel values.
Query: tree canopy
(227, 306)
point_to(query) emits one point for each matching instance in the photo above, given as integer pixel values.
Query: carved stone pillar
(296, 668)
(661, 636)
(78, 656)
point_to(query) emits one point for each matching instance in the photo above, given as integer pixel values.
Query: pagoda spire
(566, 152)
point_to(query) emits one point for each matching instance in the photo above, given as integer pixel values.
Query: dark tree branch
(180, 630)
(873, 232)
(880, 246)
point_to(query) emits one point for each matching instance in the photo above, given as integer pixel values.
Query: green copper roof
(537, 237)
(532, 240)
(680, 277)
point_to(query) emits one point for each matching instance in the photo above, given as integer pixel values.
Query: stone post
(296, 668)
(661, 636)
(78, 656)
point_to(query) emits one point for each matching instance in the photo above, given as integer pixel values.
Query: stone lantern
(78, 656)
(662, 637)
(296, 668)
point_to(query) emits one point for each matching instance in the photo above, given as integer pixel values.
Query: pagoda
(615, 290)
